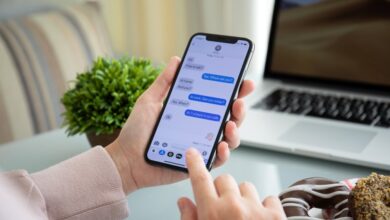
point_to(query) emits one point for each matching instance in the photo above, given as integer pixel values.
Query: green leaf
(103, 97)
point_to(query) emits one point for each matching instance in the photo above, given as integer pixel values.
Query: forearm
(121, 162)
(87, 186)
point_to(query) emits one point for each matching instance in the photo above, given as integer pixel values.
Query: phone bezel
(212, 37)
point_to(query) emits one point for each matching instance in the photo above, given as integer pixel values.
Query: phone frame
(248, 56)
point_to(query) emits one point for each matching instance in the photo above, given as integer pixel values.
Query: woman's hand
(223, 198)
(128, 149)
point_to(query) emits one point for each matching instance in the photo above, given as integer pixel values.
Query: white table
(269, 171)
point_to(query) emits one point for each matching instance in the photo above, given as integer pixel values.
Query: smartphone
(199, 100)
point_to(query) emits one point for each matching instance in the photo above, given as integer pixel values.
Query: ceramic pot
(103, 139)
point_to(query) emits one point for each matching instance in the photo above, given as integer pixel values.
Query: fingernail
(172, 59)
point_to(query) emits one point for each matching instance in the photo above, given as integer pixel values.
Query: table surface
(269, 171)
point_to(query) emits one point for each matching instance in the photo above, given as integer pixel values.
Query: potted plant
(102, 98)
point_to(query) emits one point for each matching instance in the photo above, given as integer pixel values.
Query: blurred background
(158, 29)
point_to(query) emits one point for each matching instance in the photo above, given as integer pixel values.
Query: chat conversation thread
(199, 100)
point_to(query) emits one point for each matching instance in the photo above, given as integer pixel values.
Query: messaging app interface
(198, 101)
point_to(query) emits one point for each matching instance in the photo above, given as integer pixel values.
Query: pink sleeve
(87, 186)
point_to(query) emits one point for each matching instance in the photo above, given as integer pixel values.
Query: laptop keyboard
(355, 110)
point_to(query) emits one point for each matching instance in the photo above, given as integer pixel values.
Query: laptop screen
(333, 40)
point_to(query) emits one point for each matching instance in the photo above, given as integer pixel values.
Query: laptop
(325, 91)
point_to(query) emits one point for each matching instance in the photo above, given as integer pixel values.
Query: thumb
(187, 209)
(159, 89)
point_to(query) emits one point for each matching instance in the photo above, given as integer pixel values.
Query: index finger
(201, 180)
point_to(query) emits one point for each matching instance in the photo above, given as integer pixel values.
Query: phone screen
(198, 103)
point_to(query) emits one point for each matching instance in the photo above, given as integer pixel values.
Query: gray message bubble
(194, 66)
(184, 87)
(186, 81)
(179, 102)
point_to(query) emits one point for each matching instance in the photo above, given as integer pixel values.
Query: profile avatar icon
(218, 47)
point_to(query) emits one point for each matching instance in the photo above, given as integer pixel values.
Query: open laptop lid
(337, 43)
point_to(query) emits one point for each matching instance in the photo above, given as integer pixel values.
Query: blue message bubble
(202, 115)
(206, 99)
(217, 78)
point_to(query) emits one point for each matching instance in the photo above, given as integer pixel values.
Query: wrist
(123, 166)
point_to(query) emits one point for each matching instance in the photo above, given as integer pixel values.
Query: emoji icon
(210, 136)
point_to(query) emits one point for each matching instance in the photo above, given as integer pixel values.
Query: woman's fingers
(238, 107)
(159, 89)
(273, 202)
(201, 180)
(232, 135)
(238, 112)
(248, 190)
(223, 154)
(223, 198)
(187, 209)
(226, 185)
(246, 88)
